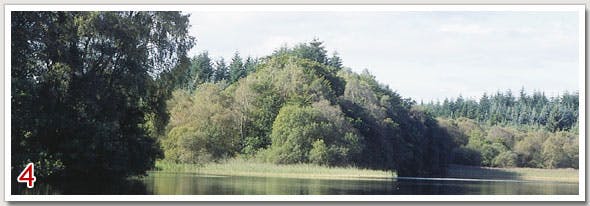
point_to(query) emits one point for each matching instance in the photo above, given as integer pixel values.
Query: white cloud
(423, 55)
(465, 29)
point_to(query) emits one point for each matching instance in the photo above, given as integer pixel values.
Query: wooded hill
(300, 106)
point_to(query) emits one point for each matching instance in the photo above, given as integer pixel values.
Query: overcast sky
(422, 55)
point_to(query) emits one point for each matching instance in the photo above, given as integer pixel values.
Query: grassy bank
(240, 167)
(528, 174)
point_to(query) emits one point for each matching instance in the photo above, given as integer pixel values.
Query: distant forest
(507, 131)
(105, 94)
(553, 114)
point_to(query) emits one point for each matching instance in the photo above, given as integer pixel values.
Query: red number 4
(27, 175)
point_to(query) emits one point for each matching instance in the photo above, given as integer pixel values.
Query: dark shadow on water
(82, 187)
(471, 172)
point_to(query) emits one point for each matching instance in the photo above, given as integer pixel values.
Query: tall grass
(247, 167)
(242, 167)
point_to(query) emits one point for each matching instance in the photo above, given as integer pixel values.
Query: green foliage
(319, 153)
(506, 159)
(307, 134)
(293, 132)
(201, 70)
(221, 71)
(457, 133)
(528, 131)
(489, 152)
(252, 145)
(529, 149)
(299, 106)
(513, 147)
(189, 73)
(237, 69)
(553, 114)
(554, 153)
(313, 51)
(201, 127)
(313, 56)
(501, 135)
(88, 93)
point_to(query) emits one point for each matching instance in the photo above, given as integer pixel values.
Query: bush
(489, 153)
(506, 159)
(501, 135)
(303, 134)
(319, 153)
(293, 132)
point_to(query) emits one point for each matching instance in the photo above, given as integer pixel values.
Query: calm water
(190, 184)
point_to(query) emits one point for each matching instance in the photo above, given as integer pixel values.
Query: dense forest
(507, 131)
(553, 114)
(105, 94)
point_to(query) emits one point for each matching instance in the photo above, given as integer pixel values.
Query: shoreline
(561, 175)
(240, 167)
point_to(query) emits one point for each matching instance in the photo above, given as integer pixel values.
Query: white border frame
(303, 8)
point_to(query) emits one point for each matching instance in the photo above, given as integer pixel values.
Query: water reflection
(167, 184)
(160, 183)
(446, 187)
(86, 187)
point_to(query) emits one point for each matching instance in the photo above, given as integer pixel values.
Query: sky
(424, 55)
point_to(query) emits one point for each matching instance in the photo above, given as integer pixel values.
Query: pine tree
(221, 70)
(236, 68)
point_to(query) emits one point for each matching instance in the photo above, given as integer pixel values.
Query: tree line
(202, 68)
(554, 114)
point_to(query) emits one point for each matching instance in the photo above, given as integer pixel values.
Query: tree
(489, 152)
(502, 136)
(335, 61)
(506, 159)
(293, 133)
(85, 99)
(313, 51)
(221, 70)
(201, 70)
(307, 134)
(555, 114)
(236, 68)
(529, 149)
(319, 153)
(571, 149)
(250, 65)
(207, 133)
(553, 152)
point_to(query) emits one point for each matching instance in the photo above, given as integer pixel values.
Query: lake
(161, 183)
